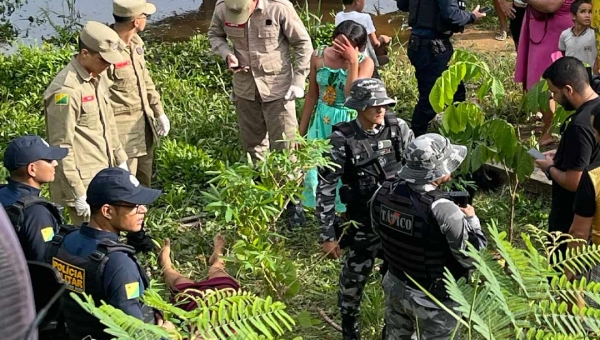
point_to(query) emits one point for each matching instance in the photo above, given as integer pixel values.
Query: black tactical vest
(370, 160)
(426, 14)
(85, 275)
(411, 237)
(15, 211)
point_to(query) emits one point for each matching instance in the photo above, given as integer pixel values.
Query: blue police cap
(25, 150)
(113, 185)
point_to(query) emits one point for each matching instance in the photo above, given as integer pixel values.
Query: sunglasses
(130, 206)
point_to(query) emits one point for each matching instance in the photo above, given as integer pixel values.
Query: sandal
(501, 35)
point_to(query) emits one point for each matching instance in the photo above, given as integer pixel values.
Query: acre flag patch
(61, 99)
(132, 290)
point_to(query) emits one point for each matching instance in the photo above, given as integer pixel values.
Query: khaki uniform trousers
(263, 124)
(76, 220)
(141, 166)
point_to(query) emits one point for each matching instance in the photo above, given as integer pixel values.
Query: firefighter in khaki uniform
(79, 117)
(134, 98)
(264, 82)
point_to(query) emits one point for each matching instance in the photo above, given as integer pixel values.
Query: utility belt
(436, 287)
(438, 45)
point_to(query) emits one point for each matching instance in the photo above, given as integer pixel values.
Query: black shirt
(586, 204)
(577, 150)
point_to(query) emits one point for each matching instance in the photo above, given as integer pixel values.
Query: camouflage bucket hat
(368, 92)
(430, 157)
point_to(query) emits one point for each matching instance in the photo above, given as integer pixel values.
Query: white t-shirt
(365, 21)
(362, 18)
(582, 47)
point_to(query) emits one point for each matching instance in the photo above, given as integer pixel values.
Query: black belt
(419, 40)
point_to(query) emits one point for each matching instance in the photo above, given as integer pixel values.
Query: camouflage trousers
(410, 314)
(359, 260)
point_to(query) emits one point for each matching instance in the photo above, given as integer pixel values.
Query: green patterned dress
(330, 110)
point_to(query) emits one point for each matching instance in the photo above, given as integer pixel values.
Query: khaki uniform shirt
(79, 117)
(134, 98)
(263, 44)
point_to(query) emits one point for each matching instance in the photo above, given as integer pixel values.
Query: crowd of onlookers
(542, 32)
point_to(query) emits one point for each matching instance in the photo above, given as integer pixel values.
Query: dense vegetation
(209, 185)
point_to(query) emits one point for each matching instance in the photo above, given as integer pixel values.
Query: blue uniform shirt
(122, 280)
(39, 225)
(449, 12)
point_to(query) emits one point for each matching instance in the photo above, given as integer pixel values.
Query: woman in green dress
(333, 69)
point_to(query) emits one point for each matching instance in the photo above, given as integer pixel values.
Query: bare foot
(219, 244)
(546, 139)
(164, 257)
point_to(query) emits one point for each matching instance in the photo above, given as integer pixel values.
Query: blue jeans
(430, 59)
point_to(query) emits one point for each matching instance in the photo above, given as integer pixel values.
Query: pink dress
(539, 39)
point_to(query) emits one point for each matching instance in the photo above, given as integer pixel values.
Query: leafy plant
(525, 294)
(252, 196)
(220, 314)
(122, 326)
(465, 123)
(320, 32)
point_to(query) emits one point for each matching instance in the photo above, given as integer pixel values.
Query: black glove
(140, 241)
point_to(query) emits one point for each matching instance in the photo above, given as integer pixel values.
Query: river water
(175, 20)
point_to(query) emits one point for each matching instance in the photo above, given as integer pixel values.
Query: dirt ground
(483, 40)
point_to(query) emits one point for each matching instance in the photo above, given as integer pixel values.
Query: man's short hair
(123, 20)
(83, 46)
(20, 173)
(568, 71)
(575, 5)
(95, 210)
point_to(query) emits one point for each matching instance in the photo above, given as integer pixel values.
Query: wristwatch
(547, 172)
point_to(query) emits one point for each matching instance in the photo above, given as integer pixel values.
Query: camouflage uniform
(363, 244)
(428, 158)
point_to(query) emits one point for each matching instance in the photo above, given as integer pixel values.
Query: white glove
(82, 208)
(124, 166)
(294, 92)
(164, 126)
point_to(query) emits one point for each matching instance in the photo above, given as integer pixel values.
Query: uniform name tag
(123, 64)
(228, 24)
(74, 277)
(87, 99)
(384, 151)
(396, 220)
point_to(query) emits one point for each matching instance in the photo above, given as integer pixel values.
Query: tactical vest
(15, 211)
(411, 237)
(85, 275)
(370, 160)
(426, 14)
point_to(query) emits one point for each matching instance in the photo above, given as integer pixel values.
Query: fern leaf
(121, 325)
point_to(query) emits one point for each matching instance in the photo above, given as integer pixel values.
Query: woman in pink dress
(543, 23)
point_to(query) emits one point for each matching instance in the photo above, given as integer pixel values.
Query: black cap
(118, 185)
(25, 150)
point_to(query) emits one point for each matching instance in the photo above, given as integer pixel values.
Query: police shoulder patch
(47, 233)
(61, 99)
(132, 290)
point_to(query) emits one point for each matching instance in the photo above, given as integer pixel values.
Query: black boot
(295, 215)
(350, 327)
(140, 241)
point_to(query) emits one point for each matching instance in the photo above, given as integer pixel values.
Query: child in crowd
(332, 71)
(377, 45)
(580, 40)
